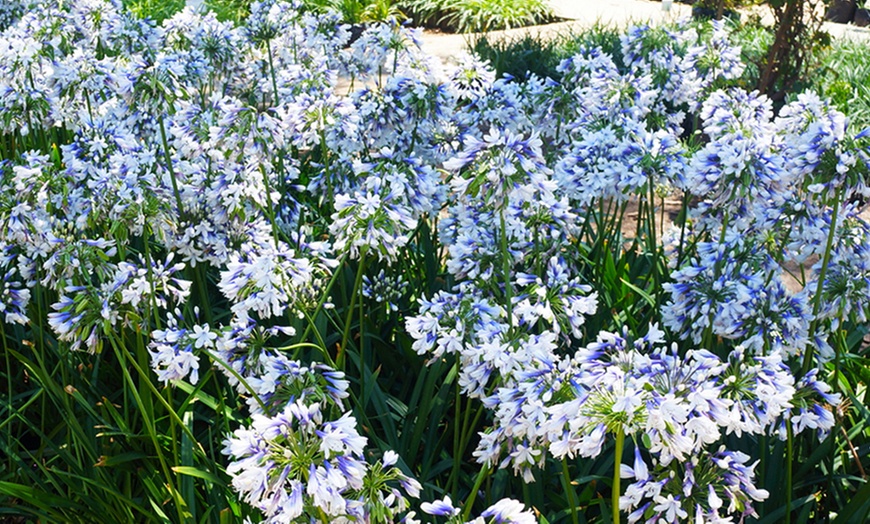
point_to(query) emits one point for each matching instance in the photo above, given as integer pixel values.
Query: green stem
(272, 72)
(240, 378)
(298, 346)
(617, 463)
(201, 279)
(356, 286)
(638, 227)
(168, 158)
(460, 443)
(588, 218)
(321, 347)
(653, 242)
(469, 502)
(506, 268)
(156, 393)
(323, 298)
(817, 303)
(155, 313)
(789, 452)
(457, 435)
(569, 490)
(9, 396)
(362, 345)
(324, 153)
(708, 337)
(270, 209)
(839, 347)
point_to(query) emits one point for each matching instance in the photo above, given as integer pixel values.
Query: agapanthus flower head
(14, 296)
(711, 61)
(277, 380)
(389, 48)
(555, 299)
(266, 280)
(271, 18)
(810, 128)
(499, 165)
(299, 462)
(172, 351)
(758, 390)
(471, 234)
(78, 319)
(708, 486)
(471, 78)
(735, 112)
(607, 397)
(99, 297)
(375, 218)
(846, 289)
(272, 457)
(741, 163)
(809, 223)
(734, 290)
(451, 322)
(385, 289)
(158, 284)
(405, 115)
(658, 52)
(587, 62)
(206, 48)
(10, 12)
(271, 379)
(813, 407)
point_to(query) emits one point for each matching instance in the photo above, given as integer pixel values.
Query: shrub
(522, 56)
(845, 77)
(229, 10)
(468, 16)
(156, 10)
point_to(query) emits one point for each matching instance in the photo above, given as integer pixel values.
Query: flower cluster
(733, 290)
(505, 511)
(299, 463)
(716, 483)
(673, 408)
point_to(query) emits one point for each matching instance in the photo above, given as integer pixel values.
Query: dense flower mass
(299, 463)
(248, 200)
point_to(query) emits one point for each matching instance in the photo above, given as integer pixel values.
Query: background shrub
(467, 16)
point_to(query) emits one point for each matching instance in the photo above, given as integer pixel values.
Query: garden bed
(233, 292)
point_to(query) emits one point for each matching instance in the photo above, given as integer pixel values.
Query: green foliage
(232, 10)
(468, 16)
(487, 15)
(350, 11)
(521, 57)
(754, 39)
(157, 10)
(91, 438)
(357, 11)
(845, 78)
(526, 55)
